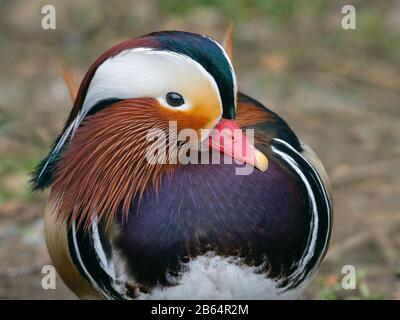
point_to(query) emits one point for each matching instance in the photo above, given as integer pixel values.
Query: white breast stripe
(78, 255)
(310, 249)
(106, 265)
(326, 198)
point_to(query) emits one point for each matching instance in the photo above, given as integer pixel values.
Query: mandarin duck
(118, 226)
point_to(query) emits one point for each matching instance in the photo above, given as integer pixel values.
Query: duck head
(141, 84)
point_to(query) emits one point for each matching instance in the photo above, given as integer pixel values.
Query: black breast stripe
(84, 255)
(321, 206)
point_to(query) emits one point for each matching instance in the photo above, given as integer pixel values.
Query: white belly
(215, 277)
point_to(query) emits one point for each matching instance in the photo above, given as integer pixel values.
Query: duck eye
(174, 99)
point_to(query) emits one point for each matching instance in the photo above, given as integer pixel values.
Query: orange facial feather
(104, 166)
(247, 114)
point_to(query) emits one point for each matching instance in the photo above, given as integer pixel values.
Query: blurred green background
(338, 89)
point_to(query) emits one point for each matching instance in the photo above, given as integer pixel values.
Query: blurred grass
(276, 11)
(15, 180)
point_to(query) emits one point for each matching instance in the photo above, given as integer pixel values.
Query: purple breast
(264, 216)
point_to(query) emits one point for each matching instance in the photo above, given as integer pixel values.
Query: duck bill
(227, 138)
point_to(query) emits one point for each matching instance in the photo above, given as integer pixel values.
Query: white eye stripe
(143, 72)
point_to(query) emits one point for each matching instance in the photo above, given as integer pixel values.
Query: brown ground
(338, 89)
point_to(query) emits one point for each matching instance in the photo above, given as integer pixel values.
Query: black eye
(174, 99)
